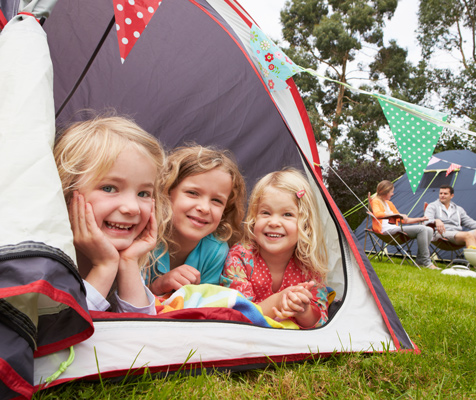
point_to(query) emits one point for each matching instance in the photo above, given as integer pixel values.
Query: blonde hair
(193, 160)
(384, 188)
(310, 249)
(87, 150)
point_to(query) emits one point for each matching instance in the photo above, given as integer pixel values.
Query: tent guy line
(370, 213)
(416, 129)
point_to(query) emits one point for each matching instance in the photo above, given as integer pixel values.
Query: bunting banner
(416, 129)
(275, 66)
(416, 139)
(452, 168)
(433, 160)
(132, 17)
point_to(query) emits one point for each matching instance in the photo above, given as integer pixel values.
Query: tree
(329, 34)
(450, 26)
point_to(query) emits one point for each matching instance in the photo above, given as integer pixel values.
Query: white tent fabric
(32, 198)
(365, 320)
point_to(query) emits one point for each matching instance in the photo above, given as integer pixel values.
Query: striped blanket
(206, 295)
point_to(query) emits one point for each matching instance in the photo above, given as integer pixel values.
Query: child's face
(122, 199)
(276, 229)
(198, 203)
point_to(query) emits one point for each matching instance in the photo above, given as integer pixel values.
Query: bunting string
(437, 159)
(416, 129)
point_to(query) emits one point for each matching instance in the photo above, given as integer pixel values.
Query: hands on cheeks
(106, 261)
(88, 238)
(175, 279)
(143, 243)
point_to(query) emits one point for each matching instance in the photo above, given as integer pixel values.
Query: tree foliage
(362, 177)
(329, 34)
(450, 26)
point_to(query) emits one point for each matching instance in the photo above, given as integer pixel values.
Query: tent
(42, 297)
(191, 77)
(433, 177)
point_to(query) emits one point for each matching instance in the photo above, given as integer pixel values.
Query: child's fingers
(307, 285)
(281, 314)
(149, 233)
(294, 302)
(186, 275)
(81, 216)
(72, 211)
(192, 274)
(78, 218)
(287, 304)
(153, 222)
(91, 224)
(301, 290)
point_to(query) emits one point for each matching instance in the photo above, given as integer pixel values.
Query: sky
(402, 27)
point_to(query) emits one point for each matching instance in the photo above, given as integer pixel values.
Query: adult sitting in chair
(449, 219)
(386, 213)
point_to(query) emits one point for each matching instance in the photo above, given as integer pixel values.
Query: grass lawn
(437, 311)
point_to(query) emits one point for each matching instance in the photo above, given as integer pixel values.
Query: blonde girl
(281, 263)
(110, 171)
(207, 196)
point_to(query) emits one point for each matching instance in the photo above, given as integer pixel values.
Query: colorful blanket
(206, 295)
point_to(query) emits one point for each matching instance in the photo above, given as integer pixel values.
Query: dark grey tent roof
(190, 78)
(412, 204)
(201, 63)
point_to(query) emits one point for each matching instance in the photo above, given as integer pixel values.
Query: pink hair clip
(300, 193)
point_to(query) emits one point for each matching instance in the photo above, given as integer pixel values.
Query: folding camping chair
(442, 244)
(400, 240)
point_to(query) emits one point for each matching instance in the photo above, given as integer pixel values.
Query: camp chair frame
(400, 240)
(442, 244)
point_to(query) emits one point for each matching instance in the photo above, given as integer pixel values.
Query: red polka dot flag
(132, 17)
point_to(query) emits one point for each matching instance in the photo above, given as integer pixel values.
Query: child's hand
(92, 244)
(88, 238)
(295, 301)
(308, 285)
(175, 279)
(144, 243)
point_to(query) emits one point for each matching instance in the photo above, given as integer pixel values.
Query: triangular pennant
(433, 160)
(452, 167)
(3, 21)
(275, 66)
(132, 17)
(416, 139)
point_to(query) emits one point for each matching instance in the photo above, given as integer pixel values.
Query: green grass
(437, 311)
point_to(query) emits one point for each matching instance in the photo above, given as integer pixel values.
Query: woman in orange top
(382, 207)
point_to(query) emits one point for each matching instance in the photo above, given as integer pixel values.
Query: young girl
(110, 171)
(207, 197)
(282, 262)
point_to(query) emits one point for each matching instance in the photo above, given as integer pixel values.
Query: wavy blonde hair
(193, 160)
(311, 250)
(87, 150)
(384, 188)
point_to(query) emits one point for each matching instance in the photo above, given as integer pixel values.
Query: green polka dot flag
(416, 138)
